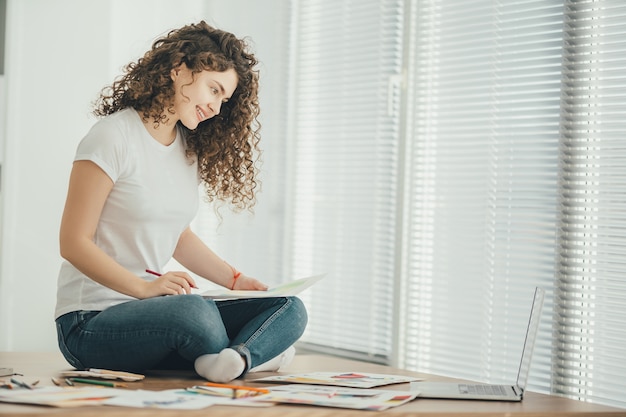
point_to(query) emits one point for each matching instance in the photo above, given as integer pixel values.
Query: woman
(183, 114)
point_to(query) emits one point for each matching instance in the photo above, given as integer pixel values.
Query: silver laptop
(464, 391)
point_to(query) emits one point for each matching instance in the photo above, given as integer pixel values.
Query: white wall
(59, 54)
(53, 62)
(266, 26)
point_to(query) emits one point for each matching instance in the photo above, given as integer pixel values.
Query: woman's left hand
(244, 282)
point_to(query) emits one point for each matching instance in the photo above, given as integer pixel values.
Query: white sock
(276, 363)
(220, 367)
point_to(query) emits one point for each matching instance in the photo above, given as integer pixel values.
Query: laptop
(471, 391)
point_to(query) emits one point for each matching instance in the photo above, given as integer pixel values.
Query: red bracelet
(236, 274)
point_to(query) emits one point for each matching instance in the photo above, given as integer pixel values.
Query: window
(343, 196)
(444, 158)
(590, 312)
(481, 220)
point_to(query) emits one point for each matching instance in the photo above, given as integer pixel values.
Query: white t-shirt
(154, 198)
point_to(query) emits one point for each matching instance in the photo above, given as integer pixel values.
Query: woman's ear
(174, 73)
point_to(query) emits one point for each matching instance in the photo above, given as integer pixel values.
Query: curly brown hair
(226, 145)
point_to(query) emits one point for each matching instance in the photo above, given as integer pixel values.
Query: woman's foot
(276, 363)
(220, 367)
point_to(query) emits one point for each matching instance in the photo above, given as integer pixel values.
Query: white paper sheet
(284, 290)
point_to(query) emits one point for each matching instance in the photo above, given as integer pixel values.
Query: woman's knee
(184, 310)
(191, 303)
(192, 316)
(298, 312)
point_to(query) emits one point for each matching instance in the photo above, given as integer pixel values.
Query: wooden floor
(44, 366)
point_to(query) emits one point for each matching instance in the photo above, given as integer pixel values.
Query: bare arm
(88, 190)
(194, 255)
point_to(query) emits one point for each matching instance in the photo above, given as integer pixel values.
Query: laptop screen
(531, 336)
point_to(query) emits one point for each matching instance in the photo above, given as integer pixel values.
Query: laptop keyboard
(482, 389)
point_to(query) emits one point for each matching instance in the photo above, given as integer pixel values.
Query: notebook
(471, 391)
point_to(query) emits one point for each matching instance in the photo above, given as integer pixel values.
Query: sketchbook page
(60, 396)
(284, 290)
(354, 398)
(345, 379)
(175, 399)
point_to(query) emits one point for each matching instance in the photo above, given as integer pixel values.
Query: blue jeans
(170, 332)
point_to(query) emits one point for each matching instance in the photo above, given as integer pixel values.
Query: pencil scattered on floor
(97, 382)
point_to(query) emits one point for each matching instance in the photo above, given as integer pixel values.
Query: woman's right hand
(170, 283)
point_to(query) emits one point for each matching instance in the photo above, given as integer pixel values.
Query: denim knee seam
(243, 348)
(269, 321)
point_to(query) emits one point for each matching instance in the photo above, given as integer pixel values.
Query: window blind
(484, 83)
(591, 295)
(343, 184)
(443, 158)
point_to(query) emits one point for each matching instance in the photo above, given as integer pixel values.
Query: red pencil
(158, 275)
